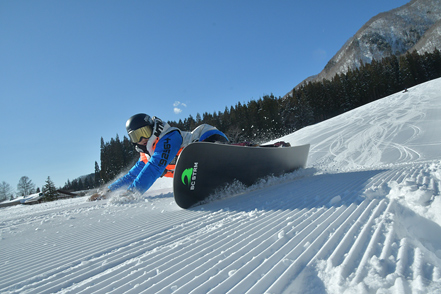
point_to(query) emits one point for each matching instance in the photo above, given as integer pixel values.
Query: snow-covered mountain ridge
(389, 33)
(363, 217)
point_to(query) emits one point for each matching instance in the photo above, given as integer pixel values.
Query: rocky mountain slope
(430, 40)
(415, 25)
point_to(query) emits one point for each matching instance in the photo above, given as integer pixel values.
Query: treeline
(115, 157)
(271, 117)
(87, 182)
(256, 121)
(315, 102)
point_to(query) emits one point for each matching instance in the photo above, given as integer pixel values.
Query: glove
(129, 195)
(99, 195)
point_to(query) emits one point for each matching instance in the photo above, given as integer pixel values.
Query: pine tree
(118, 155)
(405, 72)
(198, 119)
(304, 112)
(97, 178)
(130, 154)
(67, 185)
(49, 190)
(87, 184)
(103, 159)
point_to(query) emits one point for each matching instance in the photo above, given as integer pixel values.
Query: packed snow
(364, 216)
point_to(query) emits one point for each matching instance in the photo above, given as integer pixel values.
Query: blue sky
(72, 72)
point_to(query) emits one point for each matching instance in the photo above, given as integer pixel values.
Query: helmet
(139, 126)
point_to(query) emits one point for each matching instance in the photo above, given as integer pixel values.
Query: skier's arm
(128, 179)
(166, 149)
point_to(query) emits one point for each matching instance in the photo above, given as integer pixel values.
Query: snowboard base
(204, 167)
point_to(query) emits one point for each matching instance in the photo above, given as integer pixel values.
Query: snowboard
(204, 167)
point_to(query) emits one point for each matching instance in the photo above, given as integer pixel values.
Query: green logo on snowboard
(186, 176)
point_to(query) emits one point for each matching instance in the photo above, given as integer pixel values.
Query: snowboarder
(159, 145)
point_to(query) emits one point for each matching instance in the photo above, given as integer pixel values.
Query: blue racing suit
(142, 175)
(166, 147)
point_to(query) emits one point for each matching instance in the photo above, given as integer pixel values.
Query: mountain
(363, 217)
(389, 33)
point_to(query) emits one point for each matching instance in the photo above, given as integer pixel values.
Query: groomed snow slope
(363, 217)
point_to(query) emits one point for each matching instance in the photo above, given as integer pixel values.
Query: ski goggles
(137, 135)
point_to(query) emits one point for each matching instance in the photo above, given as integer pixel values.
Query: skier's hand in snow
(129, 195)
(101, 194)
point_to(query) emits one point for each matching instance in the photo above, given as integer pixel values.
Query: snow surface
(363, 217)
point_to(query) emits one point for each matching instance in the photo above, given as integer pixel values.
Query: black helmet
(139, 126)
